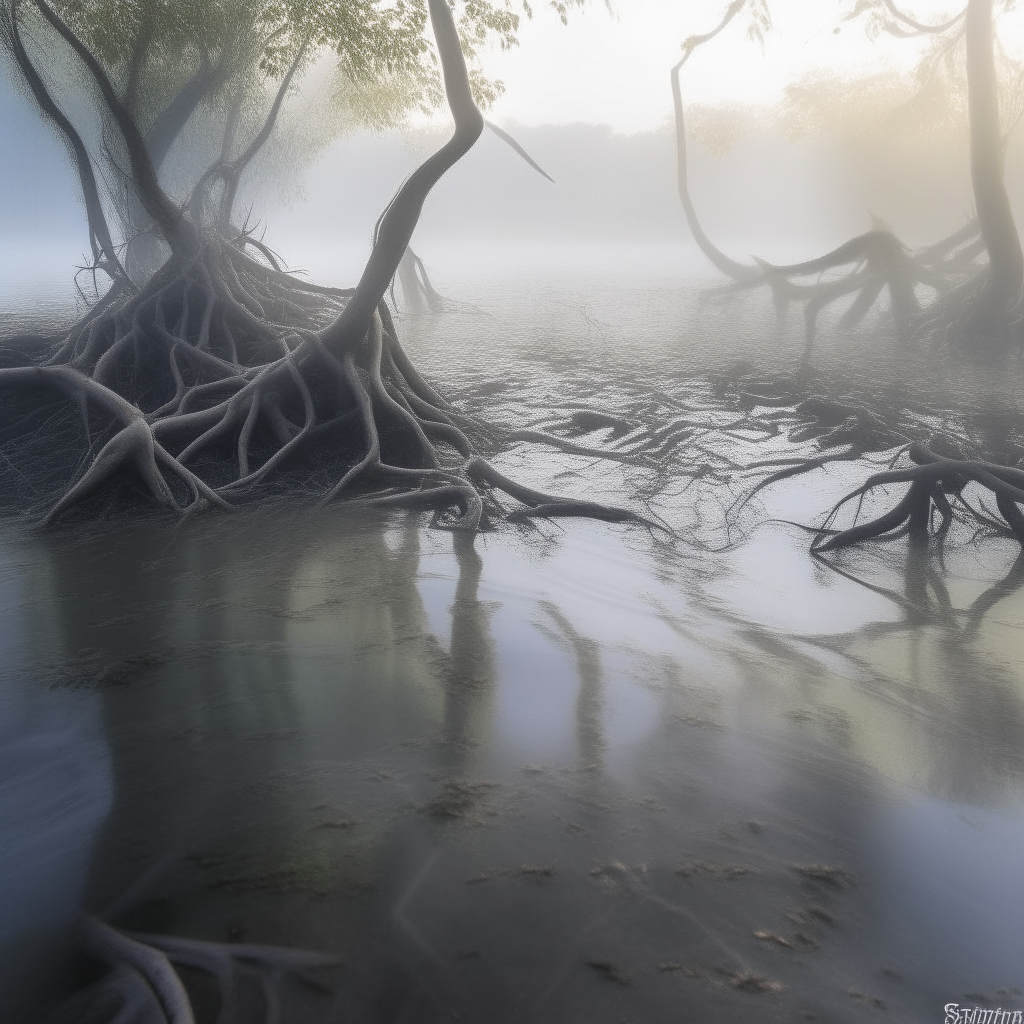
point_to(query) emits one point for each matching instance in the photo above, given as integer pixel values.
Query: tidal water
(581, 772)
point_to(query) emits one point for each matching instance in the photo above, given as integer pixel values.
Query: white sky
(614, 70)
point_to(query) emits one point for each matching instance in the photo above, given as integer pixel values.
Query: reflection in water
(933, 701)
(470, 672)
(589, 702)
(944, 662)
(55, 791)
(332, 727)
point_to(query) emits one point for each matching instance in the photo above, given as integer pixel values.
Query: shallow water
(570, 774)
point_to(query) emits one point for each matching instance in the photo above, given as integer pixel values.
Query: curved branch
(737, 271)
(99, 232)
(399, 219)
(918, 26)
(233, 172)
(693, 42)
(137, 61)
(156, 202)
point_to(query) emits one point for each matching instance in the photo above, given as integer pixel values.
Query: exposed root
(143, 983)
(217, 379)
(225, 377)
(933, 482)
(540, 437)
(963, 473)
(963, 312)
(130, 957)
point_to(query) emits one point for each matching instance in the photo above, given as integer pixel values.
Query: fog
(615, 616)
(613, 201)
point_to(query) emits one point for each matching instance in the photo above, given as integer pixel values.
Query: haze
(591, 103)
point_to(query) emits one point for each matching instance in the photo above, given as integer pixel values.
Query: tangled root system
(936, 492)
(964, 472)
(215, 384)
(223, 377)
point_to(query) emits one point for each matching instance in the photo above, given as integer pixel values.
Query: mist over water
(569, 770)
(476, 775)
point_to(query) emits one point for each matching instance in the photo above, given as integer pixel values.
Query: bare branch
(136, 63)
(398, 222)
(156, 202)
(233, 172)
(918, 26)
(99, 232)
(508, 140)
(737, 271)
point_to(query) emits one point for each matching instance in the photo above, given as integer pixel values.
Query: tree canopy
(205, 82)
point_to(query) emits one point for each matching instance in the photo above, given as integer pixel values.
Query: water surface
(571, 773)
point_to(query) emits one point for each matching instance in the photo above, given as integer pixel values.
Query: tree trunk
(737, 271)
(412, 294)
(398, 221)
(179, 234)
(1006, 262)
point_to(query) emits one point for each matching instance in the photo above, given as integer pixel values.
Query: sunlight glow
(614, 69)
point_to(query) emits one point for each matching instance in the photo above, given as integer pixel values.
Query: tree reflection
(250, 680)
(470, 672)
(946, 663)
(590, 741)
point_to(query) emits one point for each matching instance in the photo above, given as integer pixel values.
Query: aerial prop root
(220, 351)
(863, 266)
(933, 481)
(223, 401)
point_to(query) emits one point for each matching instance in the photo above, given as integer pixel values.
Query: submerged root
(143, 983)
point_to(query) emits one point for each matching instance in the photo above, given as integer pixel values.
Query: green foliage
(210, 77)
(759, 22)
(378, 44)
